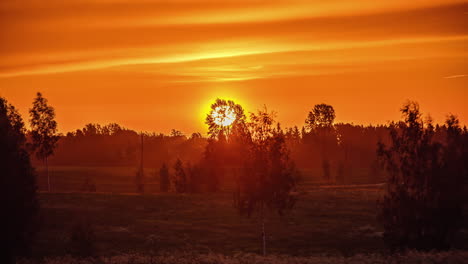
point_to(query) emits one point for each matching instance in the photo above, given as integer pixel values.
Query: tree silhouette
(422, 207)
(43, 131)
(268, 179)
(180, 177)
(176, 133)
(164, 182)
(220, 111)
(319, 127)
(18, 179)
(322, 116)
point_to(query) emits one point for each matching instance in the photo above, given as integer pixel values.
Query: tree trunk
(47, 172)
(263, 232)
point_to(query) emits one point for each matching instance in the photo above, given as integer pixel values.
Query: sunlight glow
(223, 115)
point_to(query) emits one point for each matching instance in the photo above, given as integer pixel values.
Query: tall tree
(268, 180)
(223, 116)
(18, 196)
(322, 116)
(422, 206)
(43, 131)
(319, 126)
(164, 182)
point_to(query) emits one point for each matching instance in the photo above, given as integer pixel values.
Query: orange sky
(157, 65)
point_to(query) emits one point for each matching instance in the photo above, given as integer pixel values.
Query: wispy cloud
(229, 57)
(456, 76)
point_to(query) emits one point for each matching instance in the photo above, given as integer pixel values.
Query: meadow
(452, 257)
(326, 221)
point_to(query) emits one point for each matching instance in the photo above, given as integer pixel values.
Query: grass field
(327, 220)
(121, 179)
(451, 257)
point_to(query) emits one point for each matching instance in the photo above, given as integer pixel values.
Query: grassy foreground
(452, 257)
(326, 221)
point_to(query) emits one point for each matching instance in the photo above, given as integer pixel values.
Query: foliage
(269, 176)
(422, 208)
(18, 180)
(164, 182)
(43, 127)
(320, 132)
(322, 116)
(215, 129)
(43, 131)
(268, 179)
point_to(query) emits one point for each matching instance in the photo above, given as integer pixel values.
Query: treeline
(329, 152)
(113, 145)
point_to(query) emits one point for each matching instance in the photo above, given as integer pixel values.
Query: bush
(18, 199)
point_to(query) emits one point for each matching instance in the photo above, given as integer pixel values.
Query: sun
(223, 115)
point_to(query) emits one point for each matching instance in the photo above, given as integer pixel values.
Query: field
(452, 257)
(121, 179)
(327, 220)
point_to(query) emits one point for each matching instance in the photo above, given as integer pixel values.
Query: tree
(322, 116)
(43, 131)
(268, 180)
(18, 179)
(319, 126)
(422, 207)
(223, 116)
(180, 178)
(176, 133)
(164, 182)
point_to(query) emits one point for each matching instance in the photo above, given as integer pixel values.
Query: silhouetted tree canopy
(322, 116)
(422, 208)
(43, 130)
(223, 109)
(268, 177)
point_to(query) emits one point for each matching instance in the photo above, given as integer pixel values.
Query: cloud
(222, 58)
(226, 41)
(456, 76)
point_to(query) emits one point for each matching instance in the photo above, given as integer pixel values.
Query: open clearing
(339, 221)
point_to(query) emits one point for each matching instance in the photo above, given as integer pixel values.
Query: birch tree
(43, 131)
